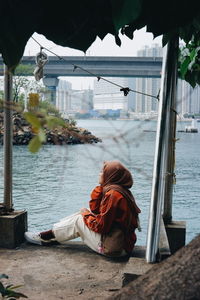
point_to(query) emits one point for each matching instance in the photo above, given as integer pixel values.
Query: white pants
(72, 227)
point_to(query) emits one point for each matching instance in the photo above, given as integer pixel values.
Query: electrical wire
(125, 90)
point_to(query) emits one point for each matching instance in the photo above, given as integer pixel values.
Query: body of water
(58, 180)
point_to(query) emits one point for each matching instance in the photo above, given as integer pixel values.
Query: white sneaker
(33, 237)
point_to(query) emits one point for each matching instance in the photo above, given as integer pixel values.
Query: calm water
(58, 180)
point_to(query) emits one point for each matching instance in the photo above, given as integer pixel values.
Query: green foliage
(125, 12)
(49, 108)
(24, 70)
(8, 291)
(21, 83)
(71, 122)
(189, 63)
(79, 23)
(94, 18)
(45, 117)
(37, 127)
(40, 122)
(33, 120)
(35, 144)
(53, 122)
(189, 54)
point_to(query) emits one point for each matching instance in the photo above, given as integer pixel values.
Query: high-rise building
(63, 96)
(108, 96)
(188, 99)
(150, 86)
(154, 51)
(70, 101)
(81, 101)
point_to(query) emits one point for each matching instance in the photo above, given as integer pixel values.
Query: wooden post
(170, 159)
(8, 133)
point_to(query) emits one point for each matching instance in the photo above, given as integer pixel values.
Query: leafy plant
(41, 123)
(189, 53)
(49, 108)
(8, 291)
(38, 122)
(189, 63)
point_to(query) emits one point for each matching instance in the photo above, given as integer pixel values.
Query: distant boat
(146, 130)
(192, 128)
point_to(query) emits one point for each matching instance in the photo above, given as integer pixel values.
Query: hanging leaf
(42, 136)
(78, 23)
(189, 62)
(32, 119)
(35, 144)
(125, 12)
(184, 67)
(53, 122)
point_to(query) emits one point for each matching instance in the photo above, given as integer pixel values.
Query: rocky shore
(23, 133)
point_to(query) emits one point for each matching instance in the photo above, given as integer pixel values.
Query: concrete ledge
(12, 228)
(70, 271)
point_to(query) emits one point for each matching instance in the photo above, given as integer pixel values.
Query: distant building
(188, 99)
(81, 101)
(150, 86)
(108, 97)
(154, 51)
(63, 96)
(70, 101)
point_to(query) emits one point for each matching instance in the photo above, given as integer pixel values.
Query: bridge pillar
(51, 83)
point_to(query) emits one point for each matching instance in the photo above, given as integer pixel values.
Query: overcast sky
(107, 47)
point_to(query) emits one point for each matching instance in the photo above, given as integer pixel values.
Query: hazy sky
(107, 47)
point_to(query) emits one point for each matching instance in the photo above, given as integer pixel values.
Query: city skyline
(108, 97)
(107, 47)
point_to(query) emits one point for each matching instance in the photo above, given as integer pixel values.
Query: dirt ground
(67, 272)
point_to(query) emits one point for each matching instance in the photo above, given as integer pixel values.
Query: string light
(125, 90)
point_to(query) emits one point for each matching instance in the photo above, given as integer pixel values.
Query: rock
(177, 278)
(23, 133)
(128, 277)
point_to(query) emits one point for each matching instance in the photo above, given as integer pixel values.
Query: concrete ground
(67, 272)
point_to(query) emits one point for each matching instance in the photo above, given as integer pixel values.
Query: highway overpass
(107, 66)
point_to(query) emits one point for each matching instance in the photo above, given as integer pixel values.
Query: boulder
(23, 133)
(177, 278)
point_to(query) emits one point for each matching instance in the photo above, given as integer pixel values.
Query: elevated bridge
(107, 66)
